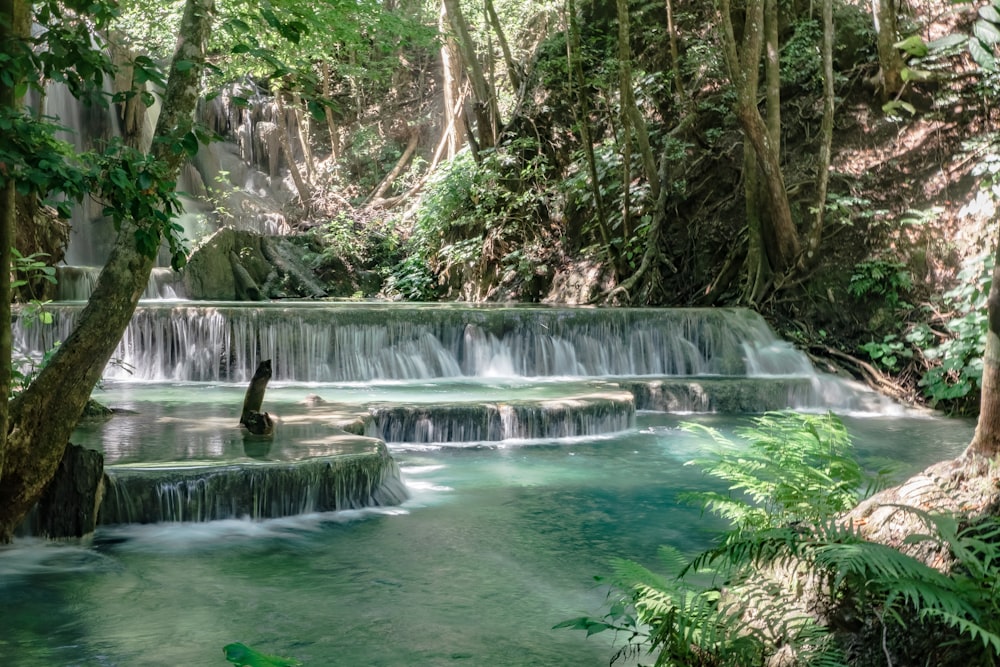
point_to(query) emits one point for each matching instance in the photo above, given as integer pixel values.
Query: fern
(788, 468)
(789, 478)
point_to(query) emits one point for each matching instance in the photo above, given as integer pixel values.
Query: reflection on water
(497, 544)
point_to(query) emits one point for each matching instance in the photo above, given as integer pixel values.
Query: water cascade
(464, 468)
(203, 491)
(412, 375)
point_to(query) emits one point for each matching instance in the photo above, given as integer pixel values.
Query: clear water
(497, 544)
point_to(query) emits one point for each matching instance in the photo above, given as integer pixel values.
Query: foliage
(27, 271)
(131, 184)
(885, 279)
(244, 656)
(482, 217)
(800, 57)
(787, 468)
(889, 351)
(25, 369)
(957, 359)
(985, 36)
(738, 602)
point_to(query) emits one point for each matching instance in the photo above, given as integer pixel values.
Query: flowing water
(511, 508)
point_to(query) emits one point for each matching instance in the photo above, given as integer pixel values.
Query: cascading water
(535, 444)
(224, 185)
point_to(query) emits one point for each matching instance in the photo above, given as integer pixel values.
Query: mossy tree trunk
(779, 236)
(986, 441)
(15, 24)
(42, 418)
(885, 16)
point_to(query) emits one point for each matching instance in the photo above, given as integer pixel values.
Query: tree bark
(485, 107)
(884, 17)
(582, 113)
(328, 113)
(779, 236)
(675, 60)
(825, 138)
(305, 194)
(15, 25)
(255, 421)
(401, 163)
(303, 130)
(512, 70)
(45, 414)
(451, 73)
(631, 116)
(986, 441)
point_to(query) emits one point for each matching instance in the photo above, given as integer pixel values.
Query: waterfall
(148, 493)
(348, 342)
(571, 417)
(223, 184)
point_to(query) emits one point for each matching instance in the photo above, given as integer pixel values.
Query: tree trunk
(825, 138)
(631, 116)
(778, 234)
(305, 195)
(884, 16)
(15, 25)
(485, 108)
(575, 62)
(454, 127)
(45, 414)
(303, 130)
(401, 163)
(772, 74)
(986, 441)
(675, 60)
(328, 113)
(512, 70)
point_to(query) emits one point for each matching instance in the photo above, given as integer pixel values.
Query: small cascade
(76, 283)
(752, 395)
(234, 182)
(580, 416)
(344, 342)
(139, 493)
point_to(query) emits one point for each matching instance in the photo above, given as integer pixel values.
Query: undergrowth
(793, 581)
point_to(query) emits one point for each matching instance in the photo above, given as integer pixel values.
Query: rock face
(235, 265)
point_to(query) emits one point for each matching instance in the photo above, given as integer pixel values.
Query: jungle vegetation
(832, 165)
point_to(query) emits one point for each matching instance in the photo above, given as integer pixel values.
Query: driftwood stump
(255, 421)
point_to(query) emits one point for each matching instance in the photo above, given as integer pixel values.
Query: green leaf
(183, 65)
(913, 45)
(894, 107)
(983, 57)
(190, 143)
(910, 74)
(244, 656)
(986, 32)
(119, 178)
(989, 13)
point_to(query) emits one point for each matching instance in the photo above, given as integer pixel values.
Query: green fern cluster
(787, 467)
(791, 578)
